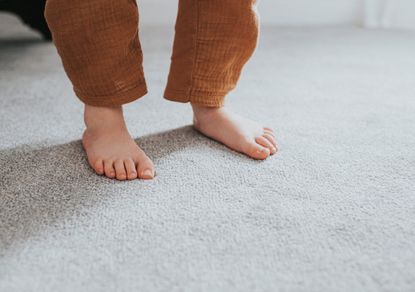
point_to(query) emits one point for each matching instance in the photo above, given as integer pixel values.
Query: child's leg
(98, 43)
(214, 39)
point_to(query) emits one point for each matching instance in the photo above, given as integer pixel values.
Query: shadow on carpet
(42, 185)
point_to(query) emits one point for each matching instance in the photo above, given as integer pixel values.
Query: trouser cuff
(116, 99)
(208, 99)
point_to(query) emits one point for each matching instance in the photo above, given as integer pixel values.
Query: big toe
(145, 167)
(257, 151)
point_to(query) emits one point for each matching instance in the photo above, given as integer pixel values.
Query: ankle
(200, 110)
(103, 117)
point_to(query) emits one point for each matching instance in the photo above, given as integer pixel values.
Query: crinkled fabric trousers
(100, 49)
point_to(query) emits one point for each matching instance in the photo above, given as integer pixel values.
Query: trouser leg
(99, 47)
(214, 39)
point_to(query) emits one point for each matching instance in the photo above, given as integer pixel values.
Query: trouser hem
(116, 99)
(208, 99)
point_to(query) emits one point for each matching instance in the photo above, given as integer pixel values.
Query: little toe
(266, 143)
(130, 168)
(145, 167)
(120, 172)
(98, 166)
(267, 129)
(257, 151)
(109, 168)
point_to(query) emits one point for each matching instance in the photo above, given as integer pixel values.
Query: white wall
(311, 12)
(280, 12)
(390, 14)
(371, 13)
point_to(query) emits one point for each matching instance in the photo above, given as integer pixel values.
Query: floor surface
(333, 211)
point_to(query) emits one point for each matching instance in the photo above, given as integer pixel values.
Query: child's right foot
(110, 149)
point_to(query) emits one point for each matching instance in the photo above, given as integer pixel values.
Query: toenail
(148, 172)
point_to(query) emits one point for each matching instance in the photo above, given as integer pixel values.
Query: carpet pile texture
(333, 211)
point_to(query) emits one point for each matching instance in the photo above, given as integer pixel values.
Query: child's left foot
(236, 132)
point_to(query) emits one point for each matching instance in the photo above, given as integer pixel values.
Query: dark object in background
(31, 12)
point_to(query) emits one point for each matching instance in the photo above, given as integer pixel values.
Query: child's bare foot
(236, 132)
(110, 148)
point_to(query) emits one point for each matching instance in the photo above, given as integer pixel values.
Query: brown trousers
(101, 53)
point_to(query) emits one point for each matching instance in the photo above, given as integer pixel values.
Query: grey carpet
(333, 211)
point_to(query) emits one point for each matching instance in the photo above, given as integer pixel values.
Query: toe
(130, 168)
(257, 151)
(270, 133)
(266, 143)
(267, 129)
(109, 168)
(271, 139)
(145, 167)
(120, 172)
(98, 166)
